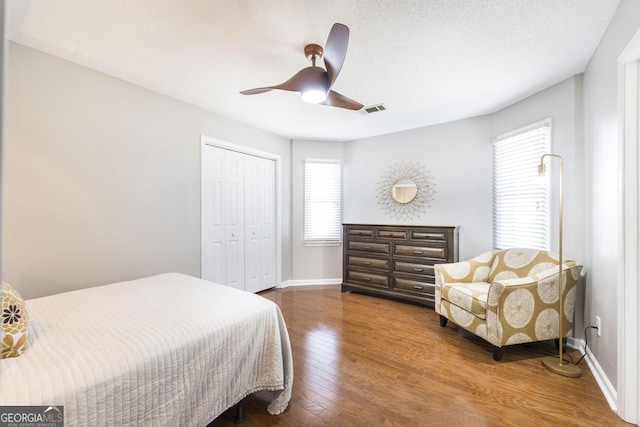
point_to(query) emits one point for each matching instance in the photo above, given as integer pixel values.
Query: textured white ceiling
(428, 61)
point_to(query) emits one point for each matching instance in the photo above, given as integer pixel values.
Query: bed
(164, 350)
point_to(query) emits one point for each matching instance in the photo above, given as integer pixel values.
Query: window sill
(320, 243)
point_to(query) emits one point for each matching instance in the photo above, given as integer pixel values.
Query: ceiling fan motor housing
(313, 51)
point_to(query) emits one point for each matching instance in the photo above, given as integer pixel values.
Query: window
(322, 202)
(520, 196)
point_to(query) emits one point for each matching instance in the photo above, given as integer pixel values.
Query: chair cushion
(471, 297)
(519, 263)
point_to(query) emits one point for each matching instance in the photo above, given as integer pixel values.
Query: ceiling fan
(314, 83)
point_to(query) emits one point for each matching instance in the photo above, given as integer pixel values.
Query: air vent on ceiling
(373, 109)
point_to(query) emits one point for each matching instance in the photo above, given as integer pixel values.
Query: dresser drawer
(439, 236)
(396, 261)
(421, 251)
(380, 264)
(378, 248)
(361, 232)
(386, 234)
(410, 267)
(414, 286)
(368, 279)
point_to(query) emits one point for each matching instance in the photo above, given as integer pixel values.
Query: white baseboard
(601, 378)
(607, 388)
(309, 282)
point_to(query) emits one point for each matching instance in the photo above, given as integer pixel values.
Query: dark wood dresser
(396, 261)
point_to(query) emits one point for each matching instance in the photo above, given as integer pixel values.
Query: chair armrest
(474, 270)
(529, 306)
(554, 270)
(541, 284)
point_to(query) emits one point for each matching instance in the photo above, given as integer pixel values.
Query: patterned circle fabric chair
(507, 296)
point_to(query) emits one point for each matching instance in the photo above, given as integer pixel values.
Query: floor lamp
(558, 365)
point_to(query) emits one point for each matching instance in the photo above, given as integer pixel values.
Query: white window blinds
(322, 202)
(520, 196)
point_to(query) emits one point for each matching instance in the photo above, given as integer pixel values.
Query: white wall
(315, 264)
(103, 177)
(563, 104)
(602, 182)
(458, 155)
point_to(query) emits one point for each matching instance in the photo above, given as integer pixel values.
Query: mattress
(167, 350)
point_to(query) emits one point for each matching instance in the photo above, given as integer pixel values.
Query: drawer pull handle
(367, 263)
(418, 287)
(366, 248)
(418, 269)
(417, 252)
(366, 279)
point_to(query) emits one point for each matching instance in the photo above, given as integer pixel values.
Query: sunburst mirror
(405, 190)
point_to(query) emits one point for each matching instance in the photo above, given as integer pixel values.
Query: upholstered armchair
(507, 296)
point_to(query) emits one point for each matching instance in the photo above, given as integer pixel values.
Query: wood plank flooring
(366, 361)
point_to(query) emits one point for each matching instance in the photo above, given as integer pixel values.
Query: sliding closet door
(223, 217)
(234, 210)
(260, 245)
(267, 207)
(252, 224)
(213, 215)
(238, 219)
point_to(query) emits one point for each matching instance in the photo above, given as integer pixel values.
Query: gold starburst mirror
(405, 190)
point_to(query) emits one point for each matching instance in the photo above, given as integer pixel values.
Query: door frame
(628, 320)
(215, 142)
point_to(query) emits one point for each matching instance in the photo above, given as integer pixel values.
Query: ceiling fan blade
(257, 90)
(335, 50)
(334, 99)
(310, 76)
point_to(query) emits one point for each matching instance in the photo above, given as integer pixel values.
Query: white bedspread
(168, 350)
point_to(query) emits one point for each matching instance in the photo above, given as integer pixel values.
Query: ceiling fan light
(314, 96)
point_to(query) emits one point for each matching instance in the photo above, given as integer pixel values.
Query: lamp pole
(559, 366)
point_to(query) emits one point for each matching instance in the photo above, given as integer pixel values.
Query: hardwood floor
(366, 361)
